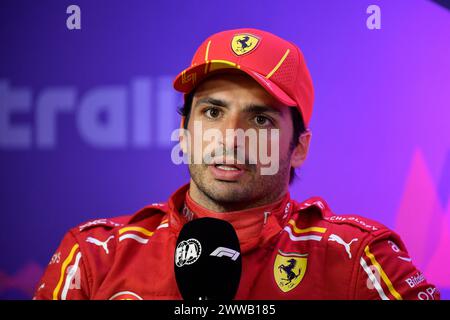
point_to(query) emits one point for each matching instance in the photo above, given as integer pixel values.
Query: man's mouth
(226, 167)
(227, 172)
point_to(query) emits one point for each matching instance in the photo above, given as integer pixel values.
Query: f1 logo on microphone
(225, 252)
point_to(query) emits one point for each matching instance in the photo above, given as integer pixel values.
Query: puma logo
(346, 245)
(103, 244)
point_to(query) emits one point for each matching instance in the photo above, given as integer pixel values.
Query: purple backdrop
(86, 115)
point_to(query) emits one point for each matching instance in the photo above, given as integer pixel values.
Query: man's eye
(212, 113)
(262, 121)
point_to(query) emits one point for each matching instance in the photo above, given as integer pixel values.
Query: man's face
(230, 102)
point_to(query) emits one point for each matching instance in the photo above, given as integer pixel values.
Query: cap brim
(189, 78)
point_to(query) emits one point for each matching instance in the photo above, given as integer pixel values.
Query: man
(254, 81)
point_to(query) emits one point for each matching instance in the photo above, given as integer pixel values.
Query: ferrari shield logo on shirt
(244, 43)
(289, 269)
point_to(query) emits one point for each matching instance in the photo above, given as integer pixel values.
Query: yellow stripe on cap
(310, 229)
(383, 274)
(138, 229)
(278, 64)
(206, 57)
(63, 271)
(221, 64)
(207, 50)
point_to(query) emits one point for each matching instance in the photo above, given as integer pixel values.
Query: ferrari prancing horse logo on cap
(244, 43)
(289, 269)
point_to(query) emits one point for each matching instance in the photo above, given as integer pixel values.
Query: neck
(207, 202)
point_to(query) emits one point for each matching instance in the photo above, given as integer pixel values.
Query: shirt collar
(253, 226)
(272, 223)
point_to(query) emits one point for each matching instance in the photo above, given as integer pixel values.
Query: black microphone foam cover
(208, 260)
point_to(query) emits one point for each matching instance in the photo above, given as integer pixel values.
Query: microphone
(208, 260)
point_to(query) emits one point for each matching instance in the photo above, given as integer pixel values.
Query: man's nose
(229, 130)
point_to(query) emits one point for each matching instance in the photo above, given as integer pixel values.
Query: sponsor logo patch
(244, 43)
(289, 269)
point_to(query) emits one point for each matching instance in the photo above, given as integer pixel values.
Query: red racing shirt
(290, 250)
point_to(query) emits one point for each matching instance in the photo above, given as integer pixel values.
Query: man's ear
(183, 137)
(301, 149)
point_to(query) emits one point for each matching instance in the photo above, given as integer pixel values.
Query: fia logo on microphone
(187, 252)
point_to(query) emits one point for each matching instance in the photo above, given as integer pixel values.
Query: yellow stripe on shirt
(63, 271)
(310, 229)
(383, 274)
(138, 229)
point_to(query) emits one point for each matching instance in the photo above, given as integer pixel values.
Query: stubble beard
(257, 190)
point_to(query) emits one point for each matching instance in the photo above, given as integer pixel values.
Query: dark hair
(297, 124)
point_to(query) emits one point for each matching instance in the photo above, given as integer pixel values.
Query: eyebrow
(253, 108)
(209, 100)
(261, 109)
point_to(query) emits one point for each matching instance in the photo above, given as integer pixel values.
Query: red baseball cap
(276, 64)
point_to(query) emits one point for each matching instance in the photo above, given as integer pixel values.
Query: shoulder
(317, 209)
(365, 254)
(106, 233)
(352, 224)
(90, 249)
(350, 231)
